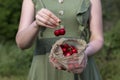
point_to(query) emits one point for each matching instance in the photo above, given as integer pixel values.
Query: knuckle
(36, 16)
(46, 21)
(47, 18)
(37, 21)
(49, 14)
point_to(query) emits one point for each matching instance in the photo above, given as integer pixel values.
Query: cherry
(57, 32)
(74, 50)
(66, 45)
(64, 50)
(68, 49)
(68, 54)
(62, 31)
(62, 46)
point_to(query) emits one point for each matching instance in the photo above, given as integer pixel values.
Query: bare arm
(96, 28)
(29, 28)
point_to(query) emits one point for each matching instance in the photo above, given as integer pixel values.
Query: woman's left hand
(55, 64)
(76, 67)
(72, 67)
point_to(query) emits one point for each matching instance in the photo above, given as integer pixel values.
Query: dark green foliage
(113, 37)
(108, 58)
(111, 9)
(111, 13)
(9, 18)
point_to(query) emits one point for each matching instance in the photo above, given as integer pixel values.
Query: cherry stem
(61, 26)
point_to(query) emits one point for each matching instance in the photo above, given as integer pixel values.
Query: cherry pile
(60, 31)
(68, 49)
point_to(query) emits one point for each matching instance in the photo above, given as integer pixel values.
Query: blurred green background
(15, 63)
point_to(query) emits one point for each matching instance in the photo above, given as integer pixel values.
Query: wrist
(89, 50)
(86, 51)
(36, 25)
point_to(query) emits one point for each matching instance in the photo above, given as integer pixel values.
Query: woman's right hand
(46, 18)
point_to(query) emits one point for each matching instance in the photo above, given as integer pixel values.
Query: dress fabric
(75, 17)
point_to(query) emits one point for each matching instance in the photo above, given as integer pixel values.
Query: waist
(44, 45)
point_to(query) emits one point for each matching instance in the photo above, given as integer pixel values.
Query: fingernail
(59, 68)
(59, 21)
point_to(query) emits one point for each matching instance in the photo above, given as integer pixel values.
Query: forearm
(94, 46)
(26, 36)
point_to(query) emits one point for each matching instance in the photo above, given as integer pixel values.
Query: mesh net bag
(68, 52)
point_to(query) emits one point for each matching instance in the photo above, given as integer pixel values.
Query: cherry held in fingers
(60, 31)
(56, 32)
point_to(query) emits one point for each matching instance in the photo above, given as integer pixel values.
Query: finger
(59, 68)
(70, 66)
(83, 64)
(42, 24)
(48, 19)
(77, 70)
(50, 14)
(77, 65)
(55, 63)
(51, 59)
(43, 20)
(62, 68)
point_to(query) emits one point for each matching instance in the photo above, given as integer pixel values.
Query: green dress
(75, 17)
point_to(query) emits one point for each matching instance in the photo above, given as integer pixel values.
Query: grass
(14, 63)
(14, 78)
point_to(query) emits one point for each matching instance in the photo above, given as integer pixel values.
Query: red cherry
(74, 50)
(66, 45)
(57, 32)
(62, 46)
(62, 31)
(68, 53)
(64, 49)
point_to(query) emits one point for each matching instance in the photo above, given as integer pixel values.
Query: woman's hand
(77, 67)
(55, 64)
(73, 65)
(46, 18)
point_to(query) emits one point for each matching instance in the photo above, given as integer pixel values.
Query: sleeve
(83, 15)
(38, 4)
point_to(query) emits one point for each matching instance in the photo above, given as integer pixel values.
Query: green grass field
(14, 78)
(14, 63)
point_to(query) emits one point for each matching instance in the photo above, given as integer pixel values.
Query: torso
(68, 17)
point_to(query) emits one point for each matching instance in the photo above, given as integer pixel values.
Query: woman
(40, 18)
